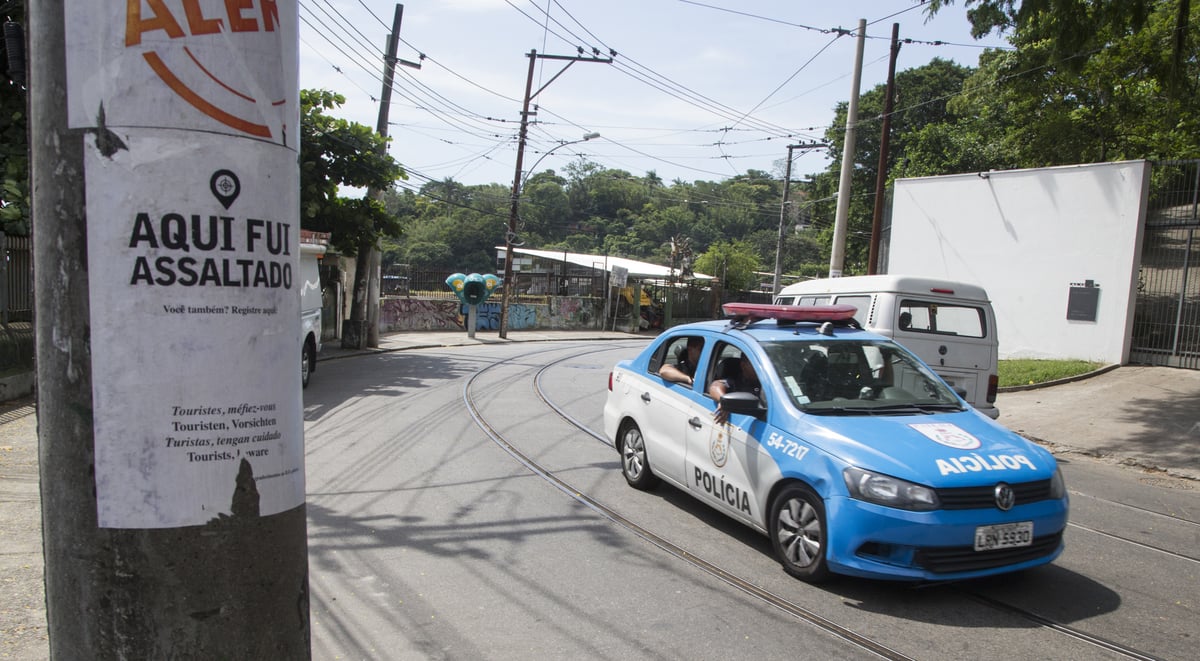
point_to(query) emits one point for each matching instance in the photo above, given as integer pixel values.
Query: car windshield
(858, 377)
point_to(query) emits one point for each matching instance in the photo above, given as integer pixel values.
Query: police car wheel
(634, 464)
(798, 533)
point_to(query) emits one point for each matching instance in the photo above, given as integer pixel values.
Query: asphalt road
(482, 546)
(431, 537)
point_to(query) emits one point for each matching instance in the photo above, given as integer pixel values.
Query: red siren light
(756, 311)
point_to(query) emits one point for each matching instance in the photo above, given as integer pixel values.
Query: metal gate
(1166, 320)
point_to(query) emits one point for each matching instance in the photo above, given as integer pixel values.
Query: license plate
(1004, 536)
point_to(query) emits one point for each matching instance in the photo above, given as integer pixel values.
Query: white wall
(1026, 236)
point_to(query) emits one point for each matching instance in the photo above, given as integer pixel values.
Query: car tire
(798, 533)
(306, 364)
(635, 465)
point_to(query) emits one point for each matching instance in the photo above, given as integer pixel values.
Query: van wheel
(307, 359)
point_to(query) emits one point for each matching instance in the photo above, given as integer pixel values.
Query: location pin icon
(225, 186)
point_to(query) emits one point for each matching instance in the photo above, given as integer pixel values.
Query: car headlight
(890, 491)
(1058, 487)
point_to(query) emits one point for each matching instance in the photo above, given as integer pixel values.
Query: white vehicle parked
(949, 325)
(312, 249)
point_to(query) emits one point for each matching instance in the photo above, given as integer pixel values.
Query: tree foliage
(1087, 82)
(734, 262)
(336, 153)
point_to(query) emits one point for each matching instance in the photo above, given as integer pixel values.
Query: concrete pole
(234, 588)
(837, 255)
(787, 180)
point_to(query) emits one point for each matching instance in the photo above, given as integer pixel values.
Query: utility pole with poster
(166, 241)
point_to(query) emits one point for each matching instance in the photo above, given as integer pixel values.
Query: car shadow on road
(1021, 600)
(1049, 591)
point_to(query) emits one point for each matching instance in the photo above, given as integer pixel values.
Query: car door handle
(646, 397)
(695, 422)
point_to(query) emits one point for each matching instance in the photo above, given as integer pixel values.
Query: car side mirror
(745, 403)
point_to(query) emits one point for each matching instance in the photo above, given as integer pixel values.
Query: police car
(851, 454)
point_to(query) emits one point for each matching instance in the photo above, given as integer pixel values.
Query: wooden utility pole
(364, 307)
(515, 204)
(160, 541)
(885, 139)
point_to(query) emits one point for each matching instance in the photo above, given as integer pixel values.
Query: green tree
(733, 262)
(1088, 82)
(336, 153)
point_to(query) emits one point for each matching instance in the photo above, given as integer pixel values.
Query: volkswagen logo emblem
(1005, 498)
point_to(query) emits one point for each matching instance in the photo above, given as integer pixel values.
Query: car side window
(660, 357)
(726, 364)
(673, 353)
(723, 363)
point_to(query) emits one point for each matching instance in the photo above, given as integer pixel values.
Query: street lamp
(518, 183)
(530, 171)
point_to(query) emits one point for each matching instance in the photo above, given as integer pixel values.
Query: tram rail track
(731, 579)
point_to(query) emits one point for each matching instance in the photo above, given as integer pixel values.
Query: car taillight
(993, 385)
(610, 381)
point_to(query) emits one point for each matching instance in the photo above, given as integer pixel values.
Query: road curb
(1058, 382)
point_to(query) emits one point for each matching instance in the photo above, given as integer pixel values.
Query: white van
(312, 248)
(949, 325)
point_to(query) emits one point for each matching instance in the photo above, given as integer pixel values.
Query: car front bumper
(880, 542)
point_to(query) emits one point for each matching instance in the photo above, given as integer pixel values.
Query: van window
(784, 300)
(861, 303)
(813, 300)
(944, 319)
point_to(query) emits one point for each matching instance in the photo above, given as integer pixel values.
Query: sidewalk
(404, 340)
(1135, 415)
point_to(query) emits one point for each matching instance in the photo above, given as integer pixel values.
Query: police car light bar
(751, 312)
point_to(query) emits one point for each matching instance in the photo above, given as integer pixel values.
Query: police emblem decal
(718, 449)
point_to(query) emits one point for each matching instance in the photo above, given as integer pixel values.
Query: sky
(697, 90)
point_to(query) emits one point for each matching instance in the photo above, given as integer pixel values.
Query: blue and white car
(853, 456)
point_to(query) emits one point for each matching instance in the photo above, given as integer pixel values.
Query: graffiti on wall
(573, 313)
(520, 316)
(400, 314)
(562, 313)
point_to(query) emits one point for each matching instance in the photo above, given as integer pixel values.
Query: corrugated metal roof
(643, 270)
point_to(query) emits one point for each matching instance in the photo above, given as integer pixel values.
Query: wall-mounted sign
(1083, 300)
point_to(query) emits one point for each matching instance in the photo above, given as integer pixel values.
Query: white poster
(204, 65)
(195, 315)
(192, 184)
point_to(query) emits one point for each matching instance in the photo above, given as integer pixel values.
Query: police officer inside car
(685, 371)
(746, 380)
